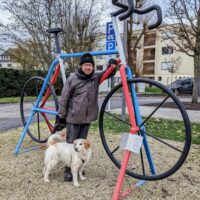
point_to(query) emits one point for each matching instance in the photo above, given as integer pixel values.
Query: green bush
(12, 81)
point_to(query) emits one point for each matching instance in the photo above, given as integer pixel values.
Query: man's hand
(60, 125)
(112, 62)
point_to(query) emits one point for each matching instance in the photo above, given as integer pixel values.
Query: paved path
(10, 114)
(167, 113)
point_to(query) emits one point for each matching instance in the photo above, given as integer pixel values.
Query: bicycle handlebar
(147, 10)
(118, 4)
(128, 10)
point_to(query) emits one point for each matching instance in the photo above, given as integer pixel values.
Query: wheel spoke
(158, 139)
(154, 111)
(142, 161)
(114, 116)
(112, 152)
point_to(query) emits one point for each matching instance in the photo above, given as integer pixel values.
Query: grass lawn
(10, 100)
(162, 128)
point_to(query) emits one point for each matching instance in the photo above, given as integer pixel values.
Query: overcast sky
(4, 16)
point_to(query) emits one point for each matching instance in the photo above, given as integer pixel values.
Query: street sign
(110, 32)
(110, 37)
(111, 45)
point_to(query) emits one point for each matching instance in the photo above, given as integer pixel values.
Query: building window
(168, 35)
(9, 65)
(99, 67)
(0, 65)
(166, 65)
(167, 50)
(159, 78)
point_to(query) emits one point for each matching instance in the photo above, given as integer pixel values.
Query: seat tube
(62, 69)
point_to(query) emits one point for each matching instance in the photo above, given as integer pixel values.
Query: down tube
(54, 63)
(139, 121)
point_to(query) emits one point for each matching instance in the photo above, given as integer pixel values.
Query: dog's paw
(76, 184)
(83, 178)
(46, 180)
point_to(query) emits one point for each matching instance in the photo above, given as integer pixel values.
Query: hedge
(12, 81)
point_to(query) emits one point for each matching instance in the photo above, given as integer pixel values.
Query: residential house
(8, 59)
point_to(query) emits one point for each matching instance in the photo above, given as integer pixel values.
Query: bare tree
(81, 21)
(173, 65)
(31, 19)
(183, 28)
(139, 22)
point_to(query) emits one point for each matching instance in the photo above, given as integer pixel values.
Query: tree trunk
(196, 85)
(129, 42)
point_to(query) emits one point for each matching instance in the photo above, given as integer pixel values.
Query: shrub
(12, 81)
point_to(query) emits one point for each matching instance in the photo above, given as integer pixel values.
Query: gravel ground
(21, 176)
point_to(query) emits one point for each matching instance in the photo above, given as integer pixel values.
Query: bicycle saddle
(55, 30)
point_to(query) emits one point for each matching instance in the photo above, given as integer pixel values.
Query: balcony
(148, 68)
(150, 40)
(149, 54)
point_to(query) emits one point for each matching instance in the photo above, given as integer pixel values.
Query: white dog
(75, 156)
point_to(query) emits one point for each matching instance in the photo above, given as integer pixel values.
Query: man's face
(87, 68)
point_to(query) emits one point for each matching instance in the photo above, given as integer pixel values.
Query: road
(10, 113)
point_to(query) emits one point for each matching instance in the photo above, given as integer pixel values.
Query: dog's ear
(87, 144)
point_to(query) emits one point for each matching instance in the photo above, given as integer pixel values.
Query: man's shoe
(68, 174)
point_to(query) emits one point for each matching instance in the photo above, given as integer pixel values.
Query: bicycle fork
(134, 129)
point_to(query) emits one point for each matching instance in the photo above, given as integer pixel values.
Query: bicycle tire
(185, 126)
(31, 88)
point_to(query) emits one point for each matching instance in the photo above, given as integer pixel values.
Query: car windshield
(178, 81)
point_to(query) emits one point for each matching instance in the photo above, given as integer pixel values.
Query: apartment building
(158, 59)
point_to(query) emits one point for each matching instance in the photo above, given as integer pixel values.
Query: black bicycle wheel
(39, 129)
(165, 124)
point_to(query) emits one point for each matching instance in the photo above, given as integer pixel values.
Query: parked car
(182, 86)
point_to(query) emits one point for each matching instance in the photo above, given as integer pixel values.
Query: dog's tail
(50, 141)
(55, 138)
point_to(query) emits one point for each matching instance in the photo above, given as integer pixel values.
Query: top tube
(94, 53)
